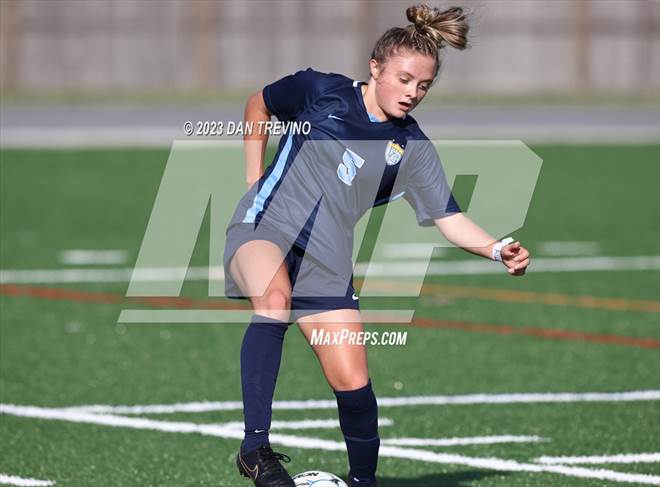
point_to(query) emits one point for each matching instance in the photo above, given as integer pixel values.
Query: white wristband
(497, 248)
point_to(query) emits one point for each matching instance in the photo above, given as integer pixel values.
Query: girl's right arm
(255, 142)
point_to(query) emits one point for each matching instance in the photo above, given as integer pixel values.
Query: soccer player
(289, 243)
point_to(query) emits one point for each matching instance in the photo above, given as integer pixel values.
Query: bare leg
(344, 366)
(345, 369)
(259, 271)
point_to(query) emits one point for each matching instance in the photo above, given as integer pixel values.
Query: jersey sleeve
(427, 190)
(290, 96)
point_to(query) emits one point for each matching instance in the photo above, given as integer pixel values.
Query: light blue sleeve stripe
(271, 181)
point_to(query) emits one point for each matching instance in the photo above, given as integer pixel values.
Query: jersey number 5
(347, 169)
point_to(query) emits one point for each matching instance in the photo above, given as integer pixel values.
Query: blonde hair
(430, 31)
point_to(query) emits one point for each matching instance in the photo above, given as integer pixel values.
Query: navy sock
(358, 418)
(261, 353)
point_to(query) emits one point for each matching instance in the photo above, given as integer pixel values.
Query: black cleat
(263, 467)
(353, 482)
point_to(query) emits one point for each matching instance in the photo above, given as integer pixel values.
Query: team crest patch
(393, 153)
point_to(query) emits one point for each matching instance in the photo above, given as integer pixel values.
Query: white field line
(477, 267)
(413, 250)
(476, 440)
(24, 482)
(141, 136)
(92, 257)
(217, 316)
(500, 464)
(321, 444)
(156, 274)
(568, 248)
(376, 269)
(233, 429)
(304, 425)
(627, 458)
(522, 398)
(77, 137)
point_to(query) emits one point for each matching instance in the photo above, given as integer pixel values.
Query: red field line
(178, 302)
(556, 299)
(61, 294)
(547, 333)
(527, 297)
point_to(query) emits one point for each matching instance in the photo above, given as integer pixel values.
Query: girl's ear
(374, 68)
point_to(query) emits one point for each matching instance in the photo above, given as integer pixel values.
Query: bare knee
(277, 299)
(275, 304)
(349, 382)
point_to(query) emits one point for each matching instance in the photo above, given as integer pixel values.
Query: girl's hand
(516, 258)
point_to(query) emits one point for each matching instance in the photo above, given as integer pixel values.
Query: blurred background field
(93, 96)
(131, 72)
(528, 48)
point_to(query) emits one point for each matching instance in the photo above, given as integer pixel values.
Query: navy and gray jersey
(320, 183)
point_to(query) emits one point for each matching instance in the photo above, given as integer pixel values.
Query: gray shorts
(315, 286)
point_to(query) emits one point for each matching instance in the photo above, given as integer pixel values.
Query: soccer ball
(318, 479)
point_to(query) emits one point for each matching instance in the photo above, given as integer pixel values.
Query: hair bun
(421, 15)
(448, 26)
(431, 28)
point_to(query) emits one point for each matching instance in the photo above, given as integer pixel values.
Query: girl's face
(402, 82)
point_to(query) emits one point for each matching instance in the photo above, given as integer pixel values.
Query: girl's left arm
(464, 233)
